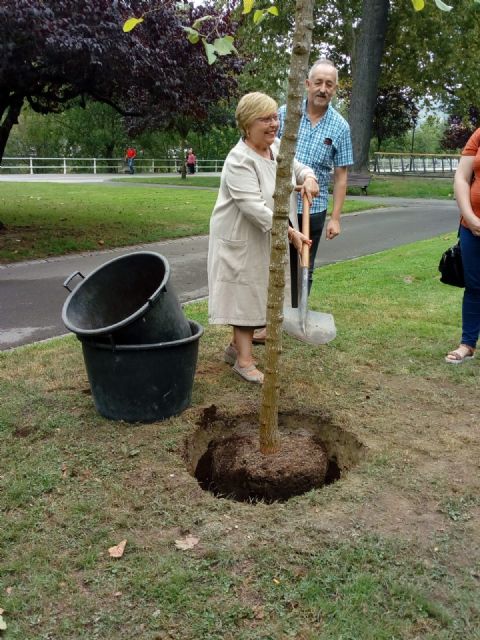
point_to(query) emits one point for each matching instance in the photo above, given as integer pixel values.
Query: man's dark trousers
(317, 222)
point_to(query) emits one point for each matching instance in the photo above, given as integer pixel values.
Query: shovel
(313, 327)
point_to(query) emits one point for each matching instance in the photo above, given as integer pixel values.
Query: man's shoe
(259, 336)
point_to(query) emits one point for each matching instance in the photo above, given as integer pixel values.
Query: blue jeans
(471, 298)
(131, 165)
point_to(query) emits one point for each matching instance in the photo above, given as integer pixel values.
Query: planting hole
(223, 455)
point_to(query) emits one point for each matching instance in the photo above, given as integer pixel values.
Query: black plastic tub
(142, 382)
(129, 299)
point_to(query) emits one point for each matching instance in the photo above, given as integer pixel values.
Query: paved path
(32, 295)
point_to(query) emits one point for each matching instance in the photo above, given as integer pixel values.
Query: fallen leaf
(117, 550)
(186, 543)
(9, 590)
(3, 624)
(64, 470)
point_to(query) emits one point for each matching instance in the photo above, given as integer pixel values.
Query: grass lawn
(403, 187)
(389, 552)
(212, 182)
(407, 187)
(54, 219)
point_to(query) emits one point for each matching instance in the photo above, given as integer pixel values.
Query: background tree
(367, 57)
(93, 130)
(458, 129)
(395, 113)
(425, 51)
(428, 134)
(52, 54)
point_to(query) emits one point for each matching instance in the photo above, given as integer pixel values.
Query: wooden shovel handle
(305, 257)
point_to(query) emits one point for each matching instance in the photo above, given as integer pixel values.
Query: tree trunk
(9, 116)
(302, 40)
(184, 162)
(365, 75)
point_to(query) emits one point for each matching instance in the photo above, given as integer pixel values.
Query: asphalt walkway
(32, 295)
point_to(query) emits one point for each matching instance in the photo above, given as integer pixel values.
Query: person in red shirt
(191, 161)
(467, 194)
(130, 155)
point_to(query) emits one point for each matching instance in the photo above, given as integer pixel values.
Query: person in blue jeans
(467, 194)
(130, 155)
(325, 145)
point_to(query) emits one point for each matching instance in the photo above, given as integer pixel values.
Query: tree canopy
(395, 113)
(53, 55)
(432, 54)
(458, 130)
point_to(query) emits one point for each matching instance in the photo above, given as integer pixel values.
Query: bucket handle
(71, 277)
(153, 299)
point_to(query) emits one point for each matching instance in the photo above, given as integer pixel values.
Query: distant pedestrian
(191, 161)
(130, 155)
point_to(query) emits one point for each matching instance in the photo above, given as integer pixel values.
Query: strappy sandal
(458, 357)
(247, 373)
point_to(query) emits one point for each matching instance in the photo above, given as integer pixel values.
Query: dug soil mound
(224, 456)
(241, 471)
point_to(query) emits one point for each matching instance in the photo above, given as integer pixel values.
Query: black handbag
(451, 267)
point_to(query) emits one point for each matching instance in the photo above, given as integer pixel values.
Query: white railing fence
(32, 165)
(382, 163)
(415, 163)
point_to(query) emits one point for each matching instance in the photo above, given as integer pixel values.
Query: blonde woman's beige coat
(239, 243)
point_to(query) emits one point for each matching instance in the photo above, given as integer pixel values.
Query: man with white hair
(323, 143)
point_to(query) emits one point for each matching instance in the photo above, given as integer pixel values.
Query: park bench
(361, 180)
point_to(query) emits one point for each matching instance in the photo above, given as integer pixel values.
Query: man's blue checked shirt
(326, 145)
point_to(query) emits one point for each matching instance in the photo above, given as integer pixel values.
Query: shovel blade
(319, 328)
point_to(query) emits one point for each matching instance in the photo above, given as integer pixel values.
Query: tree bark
(302, 40)
(365, 76)
(9, 113)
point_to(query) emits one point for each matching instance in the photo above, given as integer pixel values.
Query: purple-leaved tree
(53, 55)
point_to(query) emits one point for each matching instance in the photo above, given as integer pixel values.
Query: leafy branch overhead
(418, 5)
(221, 45)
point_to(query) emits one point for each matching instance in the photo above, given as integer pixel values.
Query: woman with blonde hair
(240, 230)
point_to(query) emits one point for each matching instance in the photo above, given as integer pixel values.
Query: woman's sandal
(247, 373)
(460, 354)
